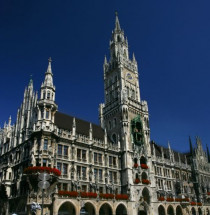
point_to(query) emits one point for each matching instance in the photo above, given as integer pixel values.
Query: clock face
(129, 76)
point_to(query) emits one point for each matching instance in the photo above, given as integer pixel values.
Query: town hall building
(108, 169)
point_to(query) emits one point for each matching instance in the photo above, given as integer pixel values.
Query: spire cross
(116, 14)
(50, 60)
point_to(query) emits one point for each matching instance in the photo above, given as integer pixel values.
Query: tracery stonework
(111, 168)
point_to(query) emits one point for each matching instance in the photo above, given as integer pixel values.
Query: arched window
(144, 175)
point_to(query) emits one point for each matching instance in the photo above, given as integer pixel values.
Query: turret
(46, 104)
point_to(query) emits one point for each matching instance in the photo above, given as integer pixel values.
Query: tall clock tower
(124, 115)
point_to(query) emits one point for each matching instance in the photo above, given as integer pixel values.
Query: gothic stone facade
(113, 168)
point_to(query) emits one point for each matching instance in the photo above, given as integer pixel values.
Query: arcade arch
(105, 209)
(161, 210)
(67, 208)
(179, 210)
(121, 210)
(170, 210)
(89, 208)
(193, 211)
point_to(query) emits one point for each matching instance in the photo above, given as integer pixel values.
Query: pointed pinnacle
(105, 60)
(49, 69)
(134, 59)
(117, 23)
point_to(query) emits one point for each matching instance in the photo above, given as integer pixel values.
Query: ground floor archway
(179, 210)
(67, 208)
(121, 210)
(89, 208)
(170, 210)
(200, 211)
(105, 209)
(193, 211)
(161, 210)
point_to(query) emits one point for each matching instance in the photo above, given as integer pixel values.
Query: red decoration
(185, 200)
(199, 203)
(145, 181)
(144, 166)
(36, 169)
(137, 181)
(161, 198)
(68, 193)
(121, 197)
(178, 200)
(193, 203)
(135, 165)
(170, 199)
(107, 196)
(88, 195)
(208, 193)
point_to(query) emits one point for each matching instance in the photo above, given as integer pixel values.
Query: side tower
(124, 115)
(45, 141)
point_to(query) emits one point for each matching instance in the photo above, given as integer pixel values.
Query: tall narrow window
(59, 149)
(65, 167)
(84, 155)
(79, 171)
(65, 150)
(44, 163)
(96, 173)
(48, 95)
(100, 158)
(79, 154)
(110, 176)
(95, 157)
(100, 174)
(59, 166)
(44, 94)
(47, 114)
(45, 144)
(83, 173)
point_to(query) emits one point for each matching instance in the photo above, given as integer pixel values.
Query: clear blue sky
(170, 39)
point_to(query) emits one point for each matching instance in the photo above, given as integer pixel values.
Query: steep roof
(65, 121)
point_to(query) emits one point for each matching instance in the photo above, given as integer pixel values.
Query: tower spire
(48, 82)
(117, 23)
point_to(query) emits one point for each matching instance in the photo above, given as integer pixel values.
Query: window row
(84, 188)
(81, 172)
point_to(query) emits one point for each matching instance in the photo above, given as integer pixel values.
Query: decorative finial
(50, 60)
(117, 23)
